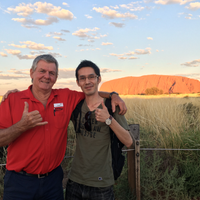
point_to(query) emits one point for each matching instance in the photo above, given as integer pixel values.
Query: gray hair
(47, 58)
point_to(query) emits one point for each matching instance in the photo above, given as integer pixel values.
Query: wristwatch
(109, 120)
(113, 93)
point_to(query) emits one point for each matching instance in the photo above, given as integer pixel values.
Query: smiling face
(88, 81)
(44, 76)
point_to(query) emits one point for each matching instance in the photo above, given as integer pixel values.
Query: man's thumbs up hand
(102, 114)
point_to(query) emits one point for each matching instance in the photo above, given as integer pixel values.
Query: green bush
(153, 91)
(190, 169)
(121, 187)
(158, 181)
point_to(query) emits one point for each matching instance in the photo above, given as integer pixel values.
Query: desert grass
(164, 121)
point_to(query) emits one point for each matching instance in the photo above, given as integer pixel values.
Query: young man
(33, 123)
(91, 176)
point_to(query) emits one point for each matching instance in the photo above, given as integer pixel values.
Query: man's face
(44, 76)
(88, 80)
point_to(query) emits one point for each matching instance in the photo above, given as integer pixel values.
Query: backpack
(116, 145)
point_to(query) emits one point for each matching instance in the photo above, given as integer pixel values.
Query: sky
(124, 38)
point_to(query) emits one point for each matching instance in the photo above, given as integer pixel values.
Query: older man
(33, 123)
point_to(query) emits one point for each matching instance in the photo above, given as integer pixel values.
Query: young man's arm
(122, 134)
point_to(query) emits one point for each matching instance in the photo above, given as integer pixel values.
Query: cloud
(167, 2)
(37, 53)
(149, 38)
(132, 57)
(103, 35)
(66, 31)
(26, 57)
(115, 7)
(70, 72)
(40, 22)
(3, 54)
(89, 17)
(106, 43)
(8, 76)
(118, 25)
(132, 6)
(67, 84)
(191, 75)
(32, 45)
(194, 63)
(22, 10)
(65, 4)
(59, 38)
(55, 33)
(55, 54)
(23, 71)
(132, 53)
(106, 70)
(13, 52)
(83, 33)
(53, 14)
(109, 13)
(143, 51)
(66, 73)
(193, 6)
(122, 58)
(86, 45)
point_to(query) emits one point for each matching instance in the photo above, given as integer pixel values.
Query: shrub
(159, 181)
(121, 187)
(153, 91)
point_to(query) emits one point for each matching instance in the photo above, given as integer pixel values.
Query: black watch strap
(113, 93)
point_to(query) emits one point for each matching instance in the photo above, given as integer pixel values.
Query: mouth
(45, 81)
(88, 87)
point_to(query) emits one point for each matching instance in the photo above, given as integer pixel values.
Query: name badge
(56, 105)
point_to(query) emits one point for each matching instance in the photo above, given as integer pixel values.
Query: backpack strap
(116, 147)
(75, 114)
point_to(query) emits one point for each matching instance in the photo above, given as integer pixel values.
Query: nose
(46, 75)
(87, 80)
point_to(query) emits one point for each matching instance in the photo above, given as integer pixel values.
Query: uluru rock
(137, 85)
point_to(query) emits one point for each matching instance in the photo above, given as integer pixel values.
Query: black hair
(87, 63)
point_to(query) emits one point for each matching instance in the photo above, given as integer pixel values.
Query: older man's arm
(28, 121)
(115, 101)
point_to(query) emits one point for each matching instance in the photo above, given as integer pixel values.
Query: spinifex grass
(163, 121)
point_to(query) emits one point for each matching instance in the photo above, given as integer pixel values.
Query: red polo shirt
(42, 148)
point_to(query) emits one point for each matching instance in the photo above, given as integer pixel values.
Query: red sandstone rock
(137, 85)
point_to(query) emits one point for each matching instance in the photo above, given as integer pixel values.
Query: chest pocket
(59, 117)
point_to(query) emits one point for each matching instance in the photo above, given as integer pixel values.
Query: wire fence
(143, 149)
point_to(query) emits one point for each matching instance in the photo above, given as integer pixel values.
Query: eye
(52, 73)
(92, 76)
(82, 78)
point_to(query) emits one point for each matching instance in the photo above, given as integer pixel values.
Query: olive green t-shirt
(92, 163)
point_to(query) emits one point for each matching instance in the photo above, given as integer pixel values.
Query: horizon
(149, 37)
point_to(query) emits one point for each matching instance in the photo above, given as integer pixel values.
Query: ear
(31, 73)
(77, 83)
(99, 79)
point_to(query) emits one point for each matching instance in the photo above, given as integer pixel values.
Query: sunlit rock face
(137, 85)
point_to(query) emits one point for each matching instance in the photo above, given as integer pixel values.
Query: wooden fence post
(134, 161)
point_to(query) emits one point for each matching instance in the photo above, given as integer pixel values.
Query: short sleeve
(120, 119)
(5, 114)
